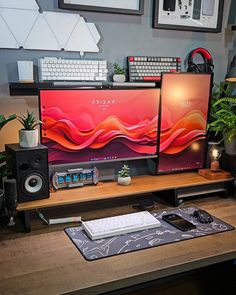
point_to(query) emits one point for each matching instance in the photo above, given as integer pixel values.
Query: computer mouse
(202, 216)
(146, 204)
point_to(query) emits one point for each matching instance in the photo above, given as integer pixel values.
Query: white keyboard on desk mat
(122, 224)
(58, 69)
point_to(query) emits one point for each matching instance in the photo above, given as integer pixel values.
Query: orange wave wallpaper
(184, 112)
(96, 125)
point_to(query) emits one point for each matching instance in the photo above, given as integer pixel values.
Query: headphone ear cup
(193, 68)
(191, 65)
(210, 66)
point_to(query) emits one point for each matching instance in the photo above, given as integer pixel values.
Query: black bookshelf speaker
(29, 166)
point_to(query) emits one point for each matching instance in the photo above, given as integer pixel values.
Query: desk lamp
(215, 154)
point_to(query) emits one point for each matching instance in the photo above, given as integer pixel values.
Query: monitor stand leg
(169, 196)
(25, 220)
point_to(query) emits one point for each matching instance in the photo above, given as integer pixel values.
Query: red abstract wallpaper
(184, 101)
(96, 125)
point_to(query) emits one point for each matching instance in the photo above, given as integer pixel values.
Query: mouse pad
(164, 234)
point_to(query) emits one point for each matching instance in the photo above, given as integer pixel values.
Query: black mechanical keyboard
(149, 69)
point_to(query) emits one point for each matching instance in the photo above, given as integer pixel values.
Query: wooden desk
(177, 185)
(48, 262)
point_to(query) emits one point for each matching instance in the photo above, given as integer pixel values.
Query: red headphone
(206, 67)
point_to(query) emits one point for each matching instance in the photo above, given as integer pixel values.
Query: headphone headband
(207, 65)
(201, 51)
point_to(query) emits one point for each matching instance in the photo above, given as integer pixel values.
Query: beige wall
(15, 105)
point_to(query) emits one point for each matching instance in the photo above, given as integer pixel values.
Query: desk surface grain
(49, 263)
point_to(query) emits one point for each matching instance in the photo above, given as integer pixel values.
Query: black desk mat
(164, 234)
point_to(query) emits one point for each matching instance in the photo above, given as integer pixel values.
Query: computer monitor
(183, 121)
(99, 125)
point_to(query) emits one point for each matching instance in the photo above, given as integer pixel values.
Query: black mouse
(146, 204)
(203, 216)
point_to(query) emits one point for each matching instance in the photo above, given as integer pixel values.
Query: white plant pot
(124, 180)
(28, 138)
(119, 78)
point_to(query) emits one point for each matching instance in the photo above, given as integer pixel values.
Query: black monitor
(99, 125)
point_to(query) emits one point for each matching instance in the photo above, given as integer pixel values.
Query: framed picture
(114, 6)
(190, 15)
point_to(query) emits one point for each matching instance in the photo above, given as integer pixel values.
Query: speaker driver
(33, 183)
(36, 161)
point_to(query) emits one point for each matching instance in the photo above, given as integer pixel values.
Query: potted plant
(119, 74)
(124, 175)
(28, 136)
(222, 121)
(3, 169)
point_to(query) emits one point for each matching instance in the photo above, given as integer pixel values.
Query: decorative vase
(119, 78)
(28, 138)
(124, 180)
(230, 148)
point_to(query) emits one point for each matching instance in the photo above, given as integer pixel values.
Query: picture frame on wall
(112, 6)
(188, 15)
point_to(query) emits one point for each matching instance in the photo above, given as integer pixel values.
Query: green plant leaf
(3, 171)
(4, 121)
(28, 121)
(2, 157)
(222, 120)
(118, 70)
(124, 172)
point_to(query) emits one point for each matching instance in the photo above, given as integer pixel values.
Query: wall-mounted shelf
(16, 88)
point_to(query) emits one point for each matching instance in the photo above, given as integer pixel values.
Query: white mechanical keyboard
(122, 224)
(58, 69)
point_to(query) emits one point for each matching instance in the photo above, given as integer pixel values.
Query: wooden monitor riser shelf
(172, 187)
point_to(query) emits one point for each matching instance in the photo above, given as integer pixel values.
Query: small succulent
(124, 172)
(118, 70)
(28, 121)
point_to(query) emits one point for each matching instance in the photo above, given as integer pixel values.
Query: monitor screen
(96, 125)
(183, 121)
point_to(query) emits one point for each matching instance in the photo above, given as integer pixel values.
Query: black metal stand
(24, 217)
(176, 196)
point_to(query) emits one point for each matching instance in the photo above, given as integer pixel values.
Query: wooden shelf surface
(104, 190)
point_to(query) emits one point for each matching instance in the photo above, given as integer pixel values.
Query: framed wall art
(114, 6)
(190, 15)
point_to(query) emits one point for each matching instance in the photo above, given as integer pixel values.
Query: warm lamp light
(215, 154)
